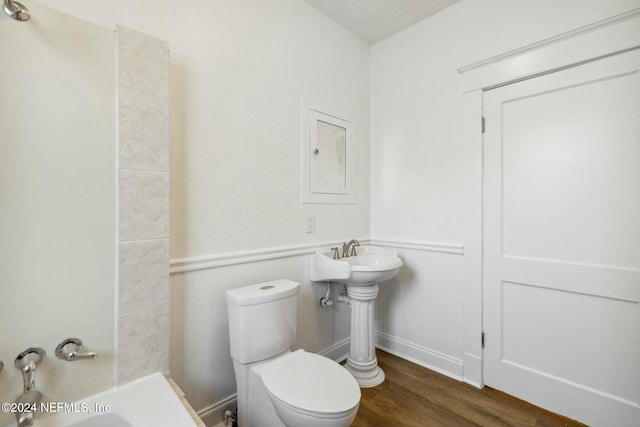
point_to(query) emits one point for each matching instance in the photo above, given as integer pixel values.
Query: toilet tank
(262, 319)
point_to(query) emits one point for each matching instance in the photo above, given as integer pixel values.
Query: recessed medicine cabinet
(328, 156)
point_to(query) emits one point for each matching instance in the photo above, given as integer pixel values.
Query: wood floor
(415, 396)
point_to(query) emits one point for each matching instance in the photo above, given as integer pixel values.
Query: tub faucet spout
(29, 404)
(26, 419)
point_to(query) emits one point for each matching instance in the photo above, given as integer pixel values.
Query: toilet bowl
(310, 390)
(277, 387)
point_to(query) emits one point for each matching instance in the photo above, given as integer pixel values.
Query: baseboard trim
(420, 355)
(447, 248)
(339, 351)
(472, 369)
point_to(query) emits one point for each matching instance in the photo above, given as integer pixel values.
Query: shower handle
(69, 350)
(27, 362)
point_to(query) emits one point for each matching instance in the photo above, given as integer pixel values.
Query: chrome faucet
(27, 362)
(29, 404)
(351, 245)
(29, 400)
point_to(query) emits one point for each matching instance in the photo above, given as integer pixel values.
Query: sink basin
(371, 265)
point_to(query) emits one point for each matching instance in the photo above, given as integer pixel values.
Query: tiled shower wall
(143, 200)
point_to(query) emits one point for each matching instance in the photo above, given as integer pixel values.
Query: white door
(561, 255)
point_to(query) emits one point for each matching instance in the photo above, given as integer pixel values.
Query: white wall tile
(143, 67)
(143, 343)
(143, 205)
(143, 136)
(143, 275)
(143, 263)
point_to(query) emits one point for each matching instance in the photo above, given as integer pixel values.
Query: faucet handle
(353, 248)
(336, 254)
(69, 350)
(27, 362)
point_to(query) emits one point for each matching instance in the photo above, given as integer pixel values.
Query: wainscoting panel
(419, 313)
(200, 361)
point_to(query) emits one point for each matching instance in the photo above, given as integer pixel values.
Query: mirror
(58, 200)
(329, 152)
(329, 163)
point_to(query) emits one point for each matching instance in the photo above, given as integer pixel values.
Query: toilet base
(366, 378)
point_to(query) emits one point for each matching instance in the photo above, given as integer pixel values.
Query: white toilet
(277, 387)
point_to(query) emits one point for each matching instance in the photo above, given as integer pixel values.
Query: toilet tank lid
(262, 292)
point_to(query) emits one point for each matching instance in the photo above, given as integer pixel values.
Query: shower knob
(27, 362)
(69, 350)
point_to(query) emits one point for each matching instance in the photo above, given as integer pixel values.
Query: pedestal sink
(361, 273)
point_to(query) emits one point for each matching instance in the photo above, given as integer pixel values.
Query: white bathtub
(147, 402)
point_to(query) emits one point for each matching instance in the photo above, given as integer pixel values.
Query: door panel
(561, 240)
(531, 330)
(578, 159)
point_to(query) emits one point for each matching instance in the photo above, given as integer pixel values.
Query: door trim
(603, 38)
(610, 36)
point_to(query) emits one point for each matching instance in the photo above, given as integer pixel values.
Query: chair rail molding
(441, 247)
(183, 265)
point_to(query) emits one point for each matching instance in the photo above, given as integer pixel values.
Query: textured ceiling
(374, 20)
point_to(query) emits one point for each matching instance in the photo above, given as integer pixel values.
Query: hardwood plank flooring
(415, 396)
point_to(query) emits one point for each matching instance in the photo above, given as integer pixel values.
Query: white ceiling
(374, 20)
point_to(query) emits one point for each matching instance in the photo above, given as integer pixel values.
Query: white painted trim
(472, 368)
(447, 248)
(310, 106)
(339, 351)
(182, 265)
(472, 231)
(600, 39)
(430, 359)
(215, 412)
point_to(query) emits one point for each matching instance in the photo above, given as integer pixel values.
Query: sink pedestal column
(362, 362)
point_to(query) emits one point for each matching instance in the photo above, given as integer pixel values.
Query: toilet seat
(312, 384)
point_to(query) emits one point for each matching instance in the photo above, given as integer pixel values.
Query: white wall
(67, 213)
(58, 203)
(417, 159)
(417, 103)
(239, 72)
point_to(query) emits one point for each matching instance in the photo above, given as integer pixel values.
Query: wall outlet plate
(310, 224)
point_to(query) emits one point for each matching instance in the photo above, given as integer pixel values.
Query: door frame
(604, 38)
